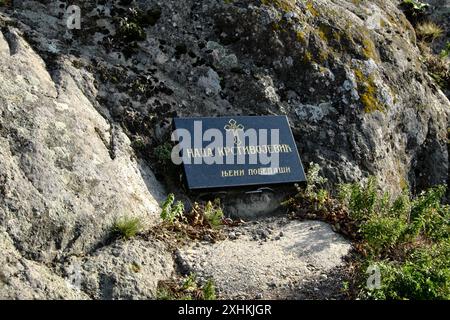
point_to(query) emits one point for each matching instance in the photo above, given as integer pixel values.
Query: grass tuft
(127, 227)
(429, 31)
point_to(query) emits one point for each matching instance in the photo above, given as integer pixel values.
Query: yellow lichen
(307, 58)
(368, 92)
(337, 36)
(370, 102)
(359, 75)
(323, 55)
(404, 184)
(311, 9)
(275, 26)
(369, 50)
(324, 32)
(284, 5)
(301, 37)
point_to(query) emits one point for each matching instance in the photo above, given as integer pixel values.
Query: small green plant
(429, 217)
(438, 67)
(415, 7)
(314, 181)
(172, 211)
(163, 153)
(408, 238)
(361, 200)
(383, 233)
(425, 275)
(203, 220)
(213, 213)
(138, 144)
(127, 227)
(345, 286)
(446, 51)
(313, 193)
(209, 290)
(129, 31)
(186, 289)
(429, 31)
(190, 283)
(164, 294)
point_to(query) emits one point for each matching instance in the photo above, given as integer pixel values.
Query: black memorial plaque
(256, 151)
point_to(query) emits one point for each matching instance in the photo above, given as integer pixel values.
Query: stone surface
(82, 112)
(348, 75)
(24, 279)
(67, 172)
(268, 259)
(124, 270)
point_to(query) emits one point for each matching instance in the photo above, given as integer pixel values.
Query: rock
(24, 279)
(210, 82)
(221, 58)
(360, 85)
(69, 171)
(348, 75)
(251, 204)
(126, 270)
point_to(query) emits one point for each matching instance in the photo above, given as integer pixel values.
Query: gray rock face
(376, 110)
(124, 270)
(21, 278)
(67, 173)
(347, 74)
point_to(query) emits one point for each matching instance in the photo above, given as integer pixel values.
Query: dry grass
(438, 66)
(429, 31)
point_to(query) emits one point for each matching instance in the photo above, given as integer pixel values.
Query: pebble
(207, 237)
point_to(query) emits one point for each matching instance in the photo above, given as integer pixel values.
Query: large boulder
(347, 73)
(67, 173)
